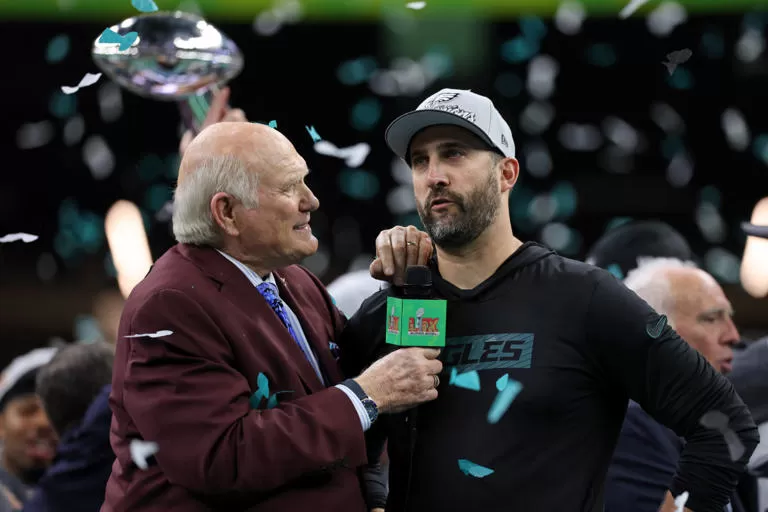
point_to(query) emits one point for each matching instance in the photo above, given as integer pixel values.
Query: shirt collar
(249, 272)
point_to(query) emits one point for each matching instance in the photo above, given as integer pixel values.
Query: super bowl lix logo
(421, 326)
(393, 325)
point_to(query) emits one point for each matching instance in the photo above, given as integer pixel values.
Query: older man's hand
(218, 112)
(396, 250)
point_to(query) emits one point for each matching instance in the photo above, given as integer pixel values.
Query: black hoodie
(581, 344)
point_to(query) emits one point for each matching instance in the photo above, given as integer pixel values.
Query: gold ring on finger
(410, 243)
(437, 381)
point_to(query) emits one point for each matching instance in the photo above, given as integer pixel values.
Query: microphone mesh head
(418, 275)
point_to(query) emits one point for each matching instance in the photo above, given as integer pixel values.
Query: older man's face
(702, 317)
(279, 230)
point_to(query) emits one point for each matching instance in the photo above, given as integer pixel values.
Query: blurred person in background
(351, 289)
(618, 249)
(29, 441)
(580, 344)
(648, 453)
(74, 389)
(106, 309)
(239, 314)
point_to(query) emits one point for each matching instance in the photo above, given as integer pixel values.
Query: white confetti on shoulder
(15, 237)
(680, 501)
(141, 451)
(158, 334)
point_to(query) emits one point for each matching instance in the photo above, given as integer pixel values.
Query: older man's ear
(218, 112)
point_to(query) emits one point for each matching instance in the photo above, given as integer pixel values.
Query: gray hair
(192, 219)
(650, 281)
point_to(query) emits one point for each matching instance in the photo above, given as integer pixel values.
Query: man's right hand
(403, 379)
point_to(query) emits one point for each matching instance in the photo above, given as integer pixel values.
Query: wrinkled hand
(402, 379)
(396, 250)
(218, 112)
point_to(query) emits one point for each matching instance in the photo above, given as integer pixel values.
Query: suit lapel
(315, 336)
(242, 294)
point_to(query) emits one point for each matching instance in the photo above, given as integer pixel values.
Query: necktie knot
(269, 291)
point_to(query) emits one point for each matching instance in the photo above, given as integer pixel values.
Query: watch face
(371, 409)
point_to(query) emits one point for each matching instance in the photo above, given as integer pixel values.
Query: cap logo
(455, 110)
(504, 140)
(443, 97)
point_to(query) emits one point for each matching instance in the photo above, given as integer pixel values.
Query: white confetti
(110, 102)
(98, 157)
(569, 17)
(15, 237)
(141, 451)
(353, 156)
(416, 5)
(676, 58)
(157, 334)
(88, 79)
(631, 7)
(74, 129)
(665, 18)
(34, 135)
(680, 501)
(736, 130)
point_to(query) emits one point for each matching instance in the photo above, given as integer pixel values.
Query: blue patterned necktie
(269, 292)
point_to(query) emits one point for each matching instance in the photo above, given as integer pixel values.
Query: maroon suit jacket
(189, 392)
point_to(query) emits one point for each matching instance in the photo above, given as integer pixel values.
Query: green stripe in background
(110, 11)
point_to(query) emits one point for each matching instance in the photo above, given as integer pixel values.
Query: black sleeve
(373, 474)
(675, 385)
(363, 339)
(748, 377)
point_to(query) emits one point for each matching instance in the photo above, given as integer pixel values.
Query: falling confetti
(353, 156)
(466, 380)
(88, 79)
(469, 468)
(141, 451)
(144, 5)
(57, 49)
(109, 36)
(615, 269)
(416, 5)
(503, 400)
(98, 157)
(631, 7)
(16, 237)
(273, 124)
(313, 133)
(502, 382)
(158, 334)
(717, 420)
(680, 501)
(676, 58)
(34, 135)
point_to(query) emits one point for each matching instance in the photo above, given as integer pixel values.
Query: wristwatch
(370, 406)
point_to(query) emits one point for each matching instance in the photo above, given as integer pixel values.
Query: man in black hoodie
(579, 342)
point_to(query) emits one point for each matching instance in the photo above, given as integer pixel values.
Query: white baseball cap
(453, 107)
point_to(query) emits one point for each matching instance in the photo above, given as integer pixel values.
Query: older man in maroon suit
(231, 314)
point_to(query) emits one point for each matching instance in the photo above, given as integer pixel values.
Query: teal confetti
(617, 222)
(533, 27)
(712, 45)
(109, 36)
(357, 71)
(466, 380)
(519, 50)
(57, 49)
(502, 382)
(262, 391)
(654, 330)
(366, 114)
(359, 184)
(615, 269)
(156, 197)
(63, 105)
(711, 195)
(438, 61)
(602, 55)
(681, 79)
(313, 133)
(565, 197)
(272, 402)
(503, 400)
(760, 148)
(144, 5)
(469, 468)
(273, 124)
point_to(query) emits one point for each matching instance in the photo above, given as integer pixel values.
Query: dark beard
(476, 212)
